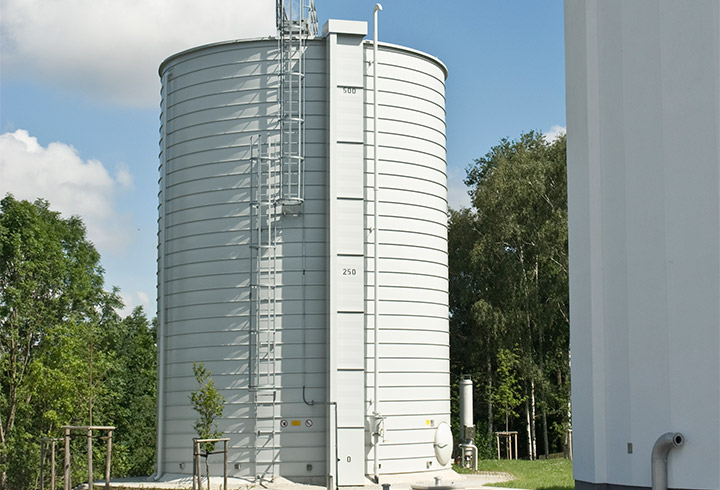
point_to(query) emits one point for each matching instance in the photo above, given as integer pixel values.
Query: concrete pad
(448, 480)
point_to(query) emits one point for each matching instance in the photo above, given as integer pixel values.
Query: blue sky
(79, 96)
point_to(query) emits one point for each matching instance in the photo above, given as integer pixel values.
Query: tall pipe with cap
(467, 425)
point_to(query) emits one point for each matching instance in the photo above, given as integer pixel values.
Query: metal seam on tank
(221, 106)
(410, 245)
(414, 71)
(402, 135)
(411, 151)
(416, 124)
(415, 97)
(412, 218)
(218, 121)
(416, 84)
(412, 109)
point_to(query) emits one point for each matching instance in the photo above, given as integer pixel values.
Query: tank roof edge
(400, 47)
(167, 60)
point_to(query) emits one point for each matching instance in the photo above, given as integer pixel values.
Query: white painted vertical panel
(351, 336)
(350, 456)
(349, 171)
(349, 230)
(345, 243)
(349, 284)
(643, 90)
(350, 398)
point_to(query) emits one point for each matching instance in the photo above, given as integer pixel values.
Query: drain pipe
(376, 412)
(660, 452)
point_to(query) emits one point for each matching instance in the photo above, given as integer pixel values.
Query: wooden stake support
(509, 438)
(88, 430)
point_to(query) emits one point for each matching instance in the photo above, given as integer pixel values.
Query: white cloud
(554, 133)
(139, 298)
(124, 177)
(73, 186)
(457, 190)
(110, 49)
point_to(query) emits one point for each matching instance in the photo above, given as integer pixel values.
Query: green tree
(50, 287)
(508, 276)
(507, 396)
(66, 357)
(131, 386)
(209, 404)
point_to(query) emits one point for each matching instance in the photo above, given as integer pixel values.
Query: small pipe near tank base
(660, 451)
(376, 411)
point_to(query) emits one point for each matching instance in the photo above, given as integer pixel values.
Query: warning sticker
(295, 423)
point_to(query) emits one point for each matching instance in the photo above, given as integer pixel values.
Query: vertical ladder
(278, 167)
(263, 315)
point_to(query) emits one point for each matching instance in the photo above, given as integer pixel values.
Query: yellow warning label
(295, 422)
(427, 422)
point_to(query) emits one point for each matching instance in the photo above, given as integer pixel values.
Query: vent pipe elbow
(660, 451)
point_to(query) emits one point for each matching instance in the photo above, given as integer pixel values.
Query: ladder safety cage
(296, 22)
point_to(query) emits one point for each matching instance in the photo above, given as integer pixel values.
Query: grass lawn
(543, 474)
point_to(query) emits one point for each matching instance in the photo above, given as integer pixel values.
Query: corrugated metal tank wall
(414, 357)
(216, 99)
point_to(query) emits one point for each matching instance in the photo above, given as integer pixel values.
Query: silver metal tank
(260, 317)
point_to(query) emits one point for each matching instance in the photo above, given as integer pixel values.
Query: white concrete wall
(643, 115)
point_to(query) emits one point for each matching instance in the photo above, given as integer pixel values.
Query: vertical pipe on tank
(376, 411)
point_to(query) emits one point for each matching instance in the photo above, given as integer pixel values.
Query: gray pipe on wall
(660, 452)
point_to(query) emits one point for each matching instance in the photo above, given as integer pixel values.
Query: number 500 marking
(349, 90)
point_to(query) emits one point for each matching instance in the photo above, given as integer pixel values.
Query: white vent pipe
(467, 425)
(466, 406)
(660, 452)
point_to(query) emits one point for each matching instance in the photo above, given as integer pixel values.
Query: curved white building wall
(643, 121)
(218, 102)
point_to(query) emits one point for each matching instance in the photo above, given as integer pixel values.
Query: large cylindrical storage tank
(275, 295)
